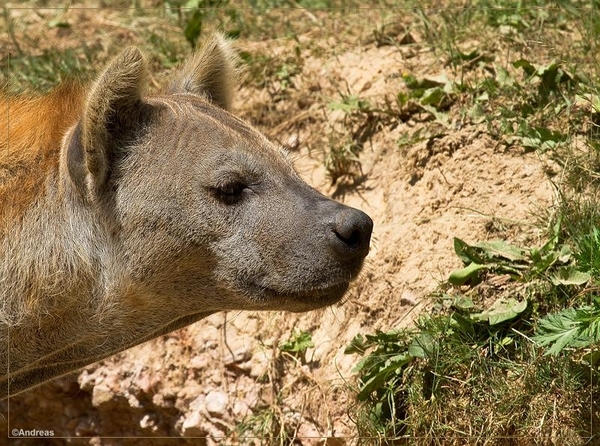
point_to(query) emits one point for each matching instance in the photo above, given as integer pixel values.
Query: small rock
(197, 404)
(145, 383)
(133, 401)
(198, 362)
(192, 426)
(241, 409)
(87, 381)
(101, 395)
(240, 355)
(309, 434)
(148, 421)
(409, 298)
(216, 402)
(164, 400)
(259, 365)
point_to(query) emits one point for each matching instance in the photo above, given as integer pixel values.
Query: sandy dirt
(210, 378)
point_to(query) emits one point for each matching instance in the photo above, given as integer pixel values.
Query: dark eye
(230, 193)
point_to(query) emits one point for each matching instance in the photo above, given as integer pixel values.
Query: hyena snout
(350, 233)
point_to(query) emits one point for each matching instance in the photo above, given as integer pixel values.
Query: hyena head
(204, 212)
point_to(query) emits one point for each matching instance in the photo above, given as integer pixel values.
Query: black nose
(351, 233)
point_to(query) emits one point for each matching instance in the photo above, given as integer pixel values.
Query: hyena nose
(351, 233)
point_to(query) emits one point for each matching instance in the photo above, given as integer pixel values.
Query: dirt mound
(228, 373)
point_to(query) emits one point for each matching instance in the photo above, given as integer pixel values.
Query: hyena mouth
(304, 300)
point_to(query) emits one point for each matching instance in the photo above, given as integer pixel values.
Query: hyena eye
(230, 193)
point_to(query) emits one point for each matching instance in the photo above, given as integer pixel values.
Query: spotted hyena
(125, 216)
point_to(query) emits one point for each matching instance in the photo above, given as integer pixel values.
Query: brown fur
(126, 216)
(30, 137)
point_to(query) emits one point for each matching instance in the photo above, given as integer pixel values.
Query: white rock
(148, 422)
(198, 403)
(101, 395)
(199, 362)
(192, 426)
(241, 409)
(87, 381)
(133, 401)
(216, 402)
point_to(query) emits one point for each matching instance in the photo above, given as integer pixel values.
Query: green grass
(470, 367)
(43, 72)
(461, 380)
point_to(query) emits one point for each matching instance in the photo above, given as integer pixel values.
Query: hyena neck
(55, 257)
(53, 260)
(67, 283)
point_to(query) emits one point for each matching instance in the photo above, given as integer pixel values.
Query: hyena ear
(112, 108)
(211, 72)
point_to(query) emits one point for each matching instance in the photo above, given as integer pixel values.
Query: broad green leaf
(421, 84)
(422, 346)
(468, 274)
(402, 99)
(463, 303)
(298, 343)
(357, 345)
(565, 253)
(527, 66)
(593, 358)
(440, 117)
(542, 261)
(501, 310)
(483, 97)
(381, 337)
(362, 365)
(568, 275)
(589, 99)
(477, 113)
(503, 78)
(540, 138)
(466, 253)
(499, 248)
(467, 56)
(349, 104)
(433, 96)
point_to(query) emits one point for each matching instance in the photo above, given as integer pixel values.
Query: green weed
(571, 327)
(267, 424)
(473, 360)
(552, 261)
(298, 343)
(342, 159)
(274, 423)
